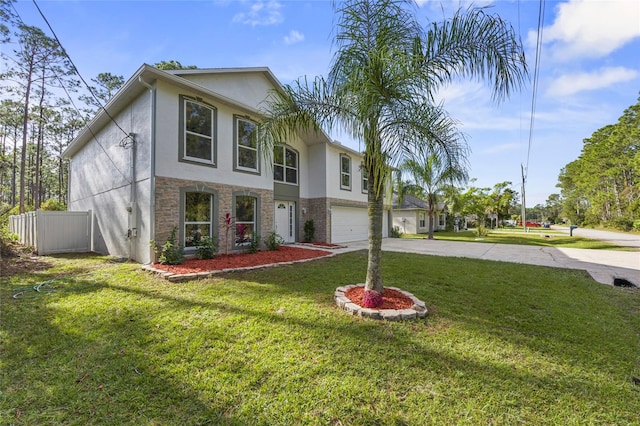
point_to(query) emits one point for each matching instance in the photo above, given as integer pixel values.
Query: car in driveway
(530, 224)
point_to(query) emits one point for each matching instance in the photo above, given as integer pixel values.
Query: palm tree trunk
(432, 214)
(375, 209)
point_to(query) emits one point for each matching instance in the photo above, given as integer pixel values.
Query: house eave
(136, 85)
(262, 70)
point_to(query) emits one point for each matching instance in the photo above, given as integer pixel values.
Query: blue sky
(589, 64)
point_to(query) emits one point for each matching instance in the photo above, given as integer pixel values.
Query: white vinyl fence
(52, 232)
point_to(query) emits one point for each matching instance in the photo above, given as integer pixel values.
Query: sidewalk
(602, 265)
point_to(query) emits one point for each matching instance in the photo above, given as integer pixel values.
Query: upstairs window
(285, 165)
(365, 179)
(246, 145)
(345, 172)
(198, 132)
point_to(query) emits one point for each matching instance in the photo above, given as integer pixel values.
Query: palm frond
(476, 45)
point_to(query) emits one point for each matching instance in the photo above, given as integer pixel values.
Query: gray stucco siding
(101, 176)
(168, 162)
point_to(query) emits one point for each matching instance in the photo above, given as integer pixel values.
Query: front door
(286, 220)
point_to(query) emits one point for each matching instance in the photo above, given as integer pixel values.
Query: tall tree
(574, 201)
(10, 120)
(37, 60)
(501, 200)
(381, 85)
(173, 65)
(105, 86)
(553, 207)
(7, 18)
(433, 174)
(603, 184)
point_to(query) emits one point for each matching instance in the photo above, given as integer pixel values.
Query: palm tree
(381, 85)
(433, 174)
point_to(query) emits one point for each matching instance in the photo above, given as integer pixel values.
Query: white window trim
(365, 179)
(345, 187)
(255, 169)
(209, 223)
(255, 222)
(186, 132)
(285, 167)
(183, 213)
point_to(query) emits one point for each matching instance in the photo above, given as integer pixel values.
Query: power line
(62, 85)
(534, 96)
(75, 69)
(536, 73)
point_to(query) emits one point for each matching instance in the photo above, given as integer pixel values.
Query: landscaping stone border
(322, 247)
(418, 310)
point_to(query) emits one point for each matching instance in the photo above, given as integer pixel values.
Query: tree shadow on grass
(560, 315)
(72, 368)
(221, 351)
(400, 348)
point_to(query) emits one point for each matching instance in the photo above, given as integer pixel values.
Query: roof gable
(249, 86)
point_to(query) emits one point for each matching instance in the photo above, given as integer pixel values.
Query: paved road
(602, 265)
(619, 238)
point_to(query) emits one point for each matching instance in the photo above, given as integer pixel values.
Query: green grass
(504, 344)
(536, 237)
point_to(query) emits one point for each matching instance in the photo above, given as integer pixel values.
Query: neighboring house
(179, 149)
(412, 216)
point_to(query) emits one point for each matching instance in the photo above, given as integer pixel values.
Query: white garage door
(352, 224)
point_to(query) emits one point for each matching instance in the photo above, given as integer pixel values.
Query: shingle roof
(409, 202)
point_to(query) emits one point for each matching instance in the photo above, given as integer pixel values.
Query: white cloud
(569, 84)
(293, 37)
(261, 13)
(591, 28)
(469, 102)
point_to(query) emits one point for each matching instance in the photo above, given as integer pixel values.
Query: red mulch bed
(391, 299)
(242, 260)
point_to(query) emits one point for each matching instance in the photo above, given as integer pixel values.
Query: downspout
(132, 208)
(152, 171)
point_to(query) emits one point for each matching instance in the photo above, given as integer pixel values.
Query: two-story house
(179, 149)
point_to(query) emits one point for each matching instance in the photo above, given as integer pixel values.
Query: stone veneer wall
(167, 205)
(317, 210)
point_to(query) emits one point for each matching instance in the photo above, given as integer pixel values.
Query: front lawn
(106, 343)
(535, 237)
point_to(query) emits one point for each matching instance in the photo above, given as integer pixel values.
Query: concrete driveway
(618, 238)
(602, 265)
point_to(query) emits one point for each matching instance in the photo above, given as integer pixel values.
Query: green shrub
(254, 244)
(623, 224)
(481, 231)
(16, 209)
(309, 230)
(450, 224)
(53, 205)
(274, 241)
(396, 232)
(207, 248)
(171, 253)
